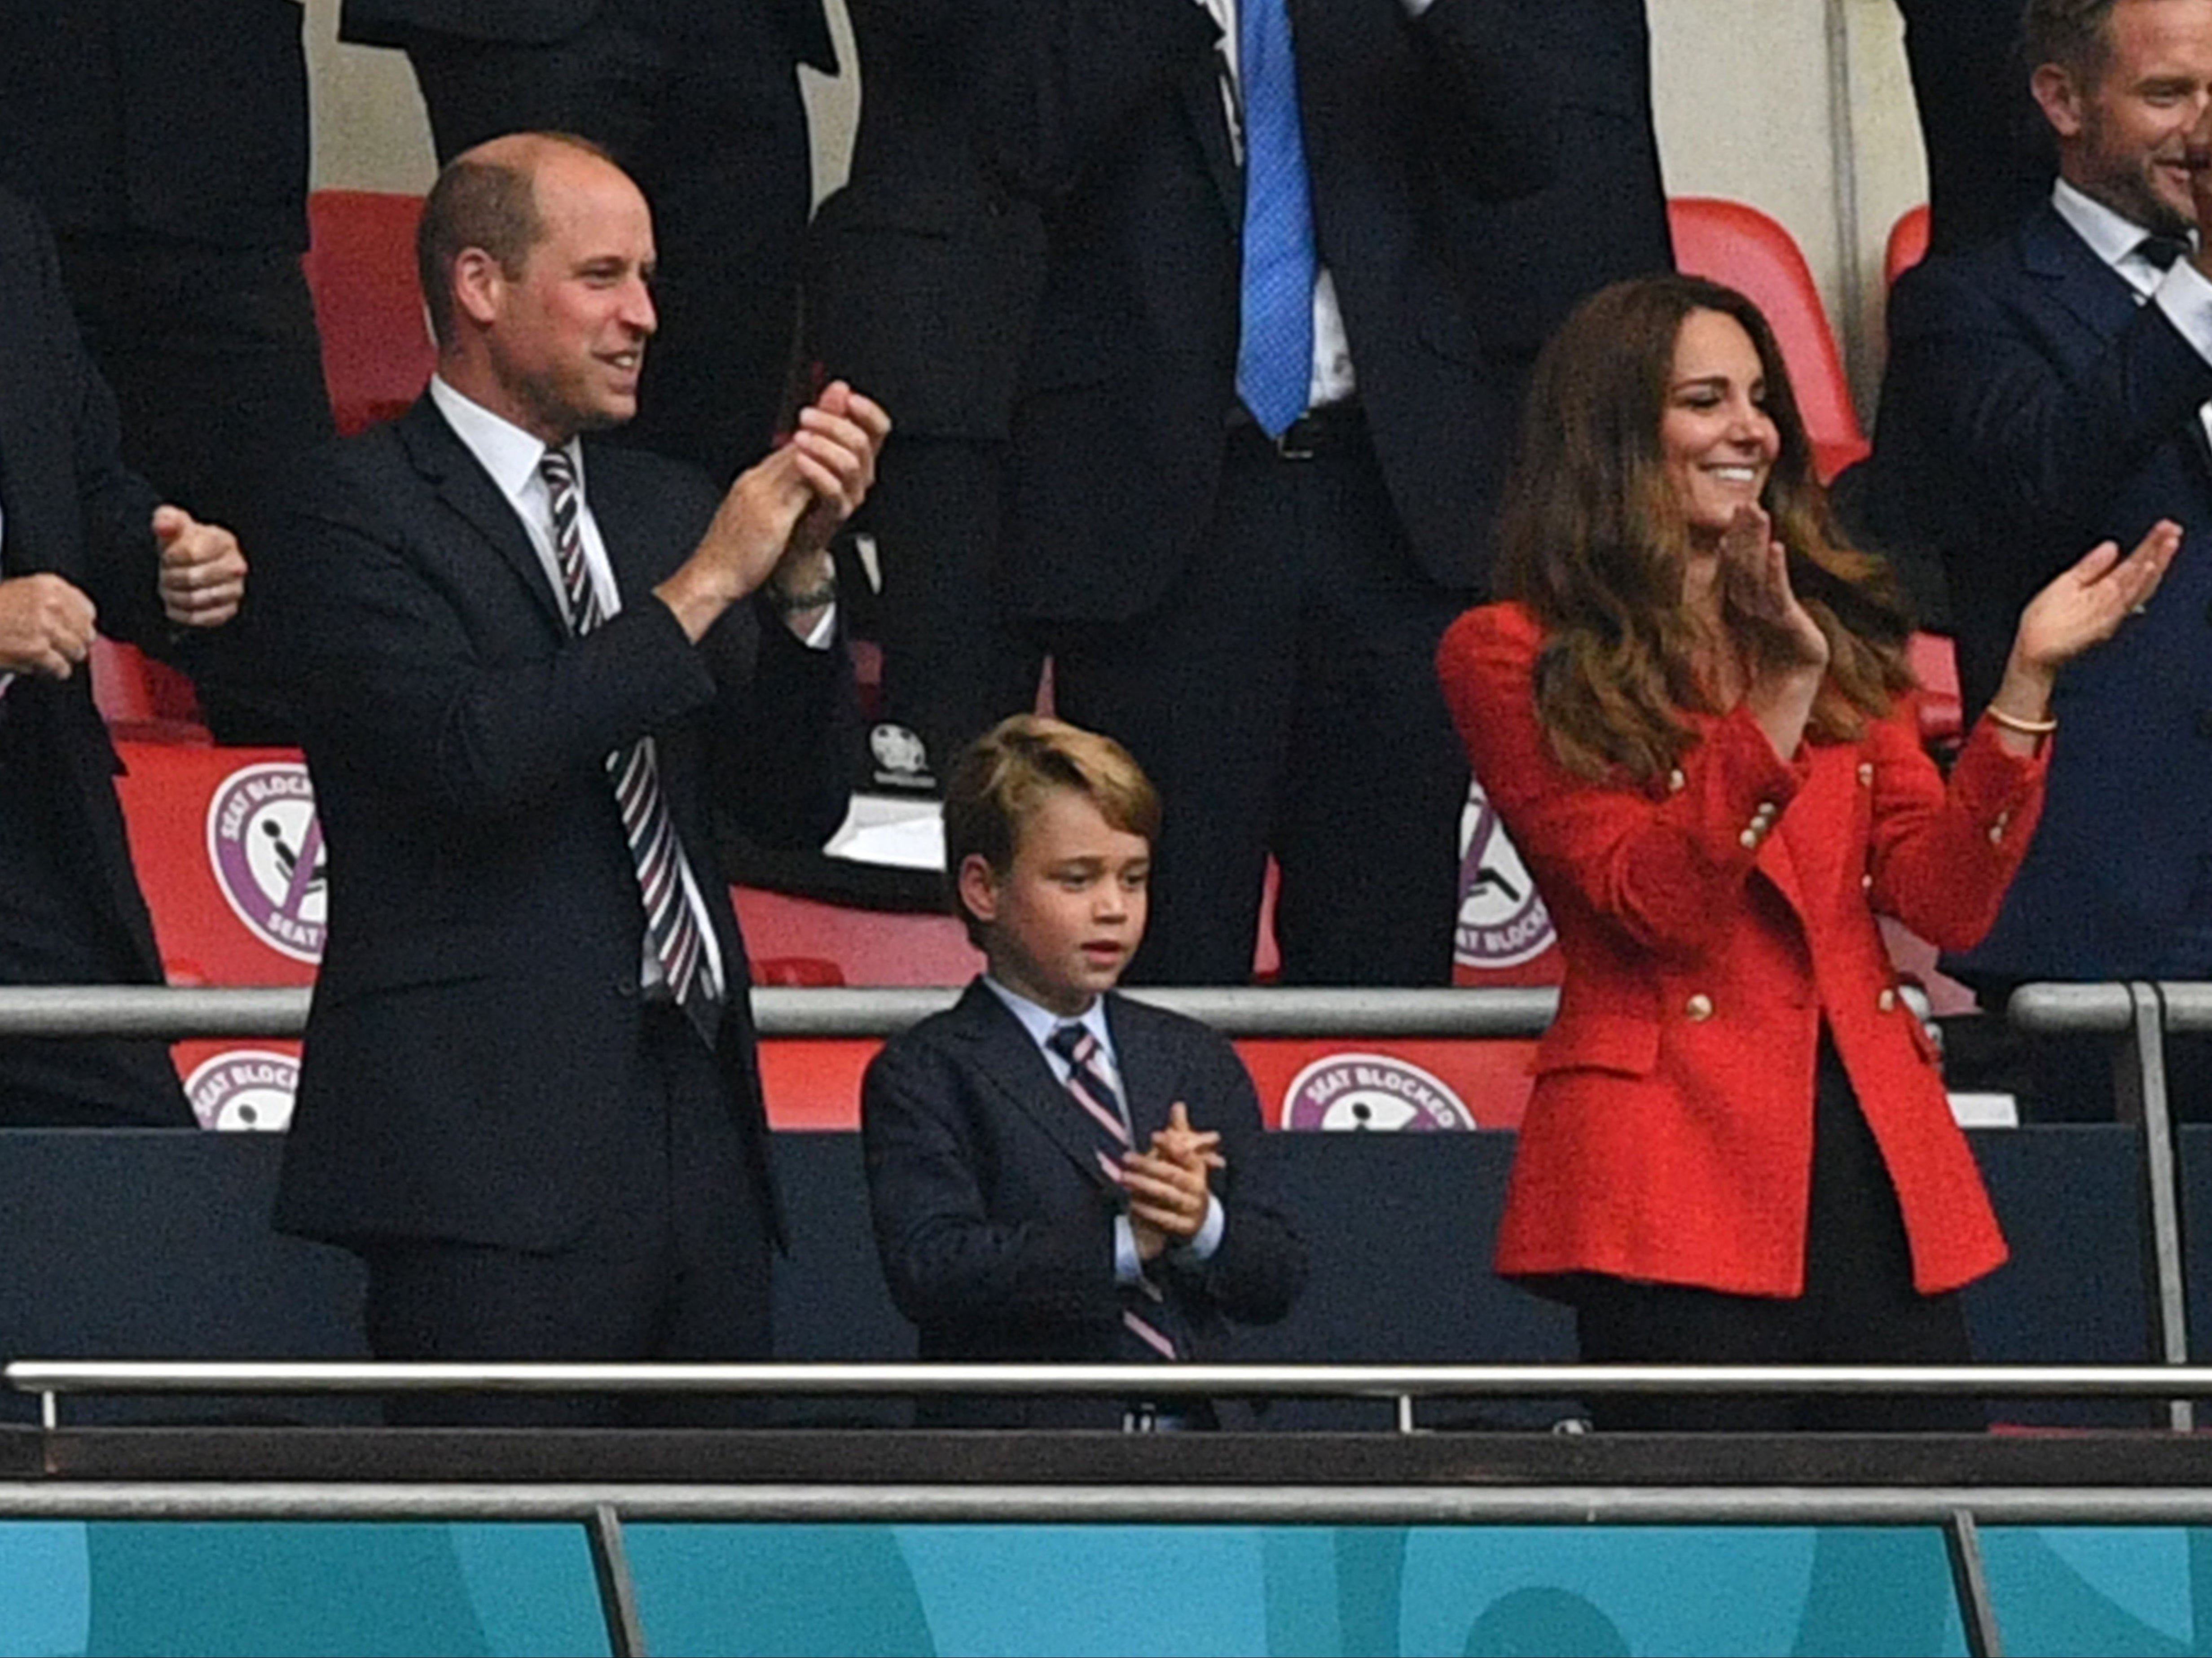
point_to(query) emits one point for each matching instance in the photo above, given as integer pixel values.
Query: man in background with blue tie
(1256, 444)
(531, 667)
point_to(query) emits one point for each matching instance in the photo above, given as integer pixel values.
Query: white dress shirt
(1041, 1023)
(511, 455)
(2182, 292)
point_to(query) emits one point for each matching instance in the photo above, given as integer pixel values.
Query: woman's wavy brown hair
(1592, 541)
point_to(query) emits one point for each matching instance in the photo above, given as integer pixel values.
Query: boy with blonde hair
(1057, 1172)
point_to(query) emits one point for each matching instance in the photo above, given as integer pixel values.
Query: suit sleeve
(1667, 864)
(1489, 101)
(385, 667)
(786, 728)
(946, 1258)
(1942, 854)
(121, 560)
(2039, 453)
(1261, 1265)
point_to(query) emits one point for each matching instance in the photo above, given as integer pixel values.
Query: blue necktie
(1275, 357)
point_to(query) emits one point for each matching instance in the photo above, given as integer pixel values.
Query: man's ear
(479, 286)
(2061, 99)
(978, 887)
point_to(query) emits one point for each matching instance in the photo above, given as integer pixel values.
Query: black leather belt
(1330, 430)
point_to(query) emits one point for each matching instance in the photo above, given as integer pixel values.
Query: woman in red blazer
(1694, 716)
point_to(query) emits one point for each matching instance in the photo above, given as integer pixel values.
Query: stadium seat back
(142, 700)
(376, 354)
(1908, 245)
(1740, 247)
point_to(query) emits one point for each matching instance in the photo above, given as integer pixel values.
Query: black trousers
(1284, 699)
(54, 930)
(217, 372)
(1859, 1307)
(715, 135)
(675, 1266)
(953, 665)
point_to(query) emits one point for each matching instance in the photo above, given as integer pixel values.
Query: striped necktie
(663, 872)
(1146, 1319)
(1275, 348)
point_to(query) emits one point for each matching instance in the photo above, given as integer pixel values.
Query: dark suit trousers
(1283, 698)
(715, 135)
(217, 372)
(953, 667)
(53, 931)
(675, 1266)
(1859, 1307)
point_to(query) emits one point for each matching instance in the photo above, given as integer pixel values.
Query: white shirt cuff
(818, 637)
(1208, 1241)
(1415, 8)
(2185, 296)
(1127, 1268)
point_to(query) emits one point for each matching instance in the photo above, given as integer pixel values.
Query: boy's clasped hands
(1168, 1184)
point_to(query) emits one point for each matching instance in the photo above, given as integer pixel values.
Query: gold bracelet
(2013, 722)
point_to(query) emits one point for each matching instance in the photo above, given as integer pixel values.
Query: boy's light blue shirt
(1041, 1023)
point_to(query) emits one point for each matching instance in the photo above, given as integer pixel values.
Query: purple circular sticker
(1371, 1092)
(267, 850)
(1502, 921)
(248, 1088)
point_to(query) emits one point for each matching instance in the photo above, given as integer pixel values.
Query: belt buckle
(1299, 439)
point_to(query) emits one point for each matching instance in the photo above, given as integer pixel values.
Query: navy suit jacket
(187, 118)
(73, 510)
(922, 273)
(994, 1221)
(2033, 408)
(478, 1007)
(1111, 117)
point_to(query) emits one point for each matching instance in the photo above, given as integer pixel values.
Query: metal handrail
(172, 1012)
(1277, 1381)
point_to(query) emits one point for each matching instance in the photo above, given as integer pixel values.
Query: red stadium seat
(1935, 664)
(376, 354)
(1728, 242)
(1908, 245)
(141, 700)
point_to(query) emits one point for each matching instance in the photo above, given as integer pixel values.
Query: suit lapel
(1203, 93)
(1012, 1065)
(2097, 295)
(464, 485)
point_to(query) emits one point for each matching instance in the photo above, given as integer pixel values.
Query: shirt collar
(502, 448)
(2112, 235)
(1042, 1021)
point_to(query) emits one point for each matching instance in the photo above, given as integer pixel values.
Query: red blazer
(1710, 922)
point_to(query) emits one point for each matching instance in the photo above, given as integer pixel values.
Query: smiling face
(564, 335)
(2123, 132)
(1716, 442)
(1060, 925)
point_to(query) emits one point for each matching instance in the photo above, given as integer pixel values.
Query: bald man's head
(486, 197)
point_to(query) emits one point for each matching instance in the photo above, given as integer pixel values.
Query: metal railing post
(2139, 1087)
(617, 1588)
(1970, 1578)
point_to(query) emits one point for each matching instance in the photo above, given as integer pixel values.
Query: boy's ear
(979, 887)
